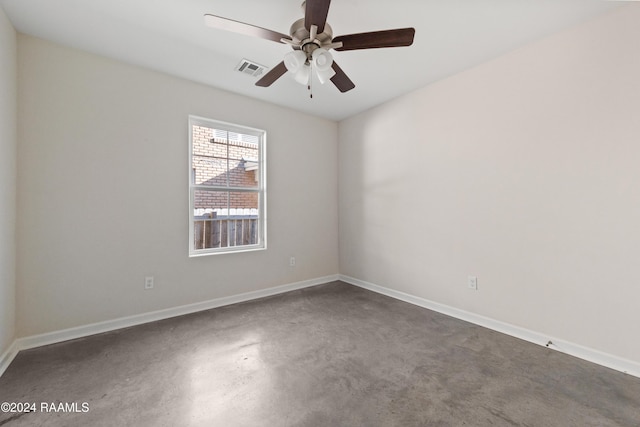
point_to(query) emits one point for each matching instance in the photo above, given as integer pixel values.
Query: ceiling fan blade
(273, 75)
(221, 23)
(340, 79)
(315, 13)
(376, 39)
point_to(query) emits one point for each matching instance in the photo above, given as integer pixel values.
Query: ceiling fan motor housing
(302, 37)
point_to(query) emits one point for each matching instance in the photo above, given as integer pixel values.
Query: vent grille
(250, 68)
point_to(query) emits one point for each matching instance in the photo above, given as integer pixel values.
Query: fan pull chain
(310, 80)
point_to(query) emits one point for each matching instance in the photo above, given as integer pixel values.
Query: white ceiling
(170, 36)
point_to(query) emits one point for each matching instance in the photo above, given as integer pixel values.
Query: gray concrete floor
(331, 355)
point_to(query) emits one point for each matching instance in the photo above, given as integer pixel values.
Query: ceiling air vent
(251, 68)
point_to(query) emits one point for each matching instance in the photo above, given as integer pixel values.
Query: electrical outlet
(472, 282)
(148, 282)
(292, 261)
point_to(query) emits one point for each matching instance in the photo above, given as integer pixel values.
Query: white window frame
(261, 189)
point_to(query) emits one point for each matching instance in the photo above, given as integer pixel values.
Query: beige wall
(8, 161)
(523, 171)
(102, 182)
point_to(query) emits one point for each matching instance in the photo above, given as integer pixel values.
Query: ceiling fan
(311, 39)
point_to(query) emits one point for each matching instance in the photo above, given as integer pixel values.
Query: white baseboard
(585, 353)
(7, 356)
(138, 319)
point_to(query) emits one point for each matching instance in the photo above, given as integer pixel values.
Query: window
(226, 187)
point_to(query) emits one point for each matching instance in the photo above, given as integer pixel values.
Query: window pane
(243, 173)
(222, 158)
(223, 219)
(244, 168)
(243, 218)
(209, 219)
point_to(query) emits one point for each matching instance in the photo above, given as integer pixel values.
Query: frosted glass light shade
(302, 75)
(295, 60)
(322, 59)
(324, 75)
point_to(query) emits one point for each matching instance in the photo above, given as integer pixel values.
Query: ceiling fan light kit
(311, 38)
(303, 69)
